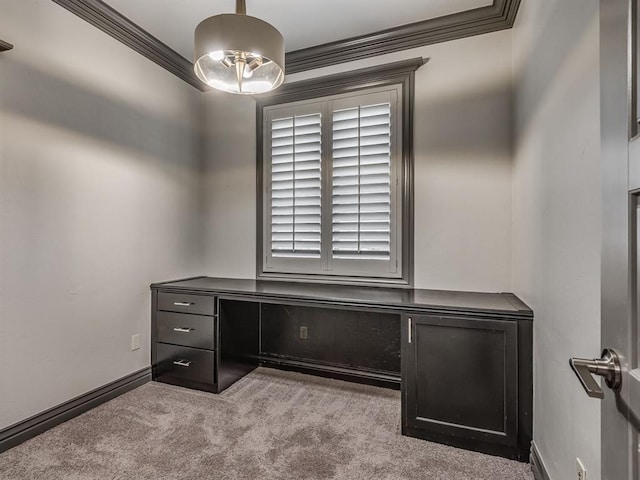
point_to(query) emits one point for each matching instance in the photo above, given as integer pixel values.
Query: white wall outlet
(582, 472)
(135, 341)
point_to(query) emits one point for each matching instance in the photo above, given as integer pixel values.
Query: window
(333, 176)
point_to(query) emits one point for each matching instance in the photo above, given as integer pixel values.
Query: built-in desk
(462, 360)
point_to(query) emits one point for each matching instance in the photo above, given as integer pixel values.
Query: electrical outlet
(304, 333)
(135, 341)
(582, 472)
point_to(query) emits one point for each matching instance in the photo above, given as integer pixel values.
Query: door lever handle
(608, 367)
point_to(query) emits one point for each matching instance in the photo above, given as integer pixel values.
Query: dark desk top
(505, 304)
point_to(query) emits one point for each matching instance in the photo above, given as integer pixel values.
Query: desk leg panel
(239, 338)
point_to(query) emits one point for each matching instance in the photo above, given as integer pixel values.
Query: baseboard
(29, 428)
(328, 371)
(537, 466)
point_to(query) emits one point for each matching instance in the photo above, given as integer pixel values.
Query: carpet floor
(269, 425)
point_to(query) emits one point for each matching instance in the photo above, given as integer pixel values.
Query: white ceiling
(303, 23)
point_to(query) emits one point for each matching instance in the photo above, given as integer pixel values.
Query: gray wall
(99, 196)
(557, 210)
(229, 185)
(462, 168)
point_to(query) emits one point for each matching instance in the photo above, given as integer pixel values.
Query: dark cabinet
(202, 341)
(463, 360)
(460, 382)
(183, 340)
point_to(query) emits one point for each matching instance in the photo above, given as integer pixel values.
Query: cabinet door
(460, 381)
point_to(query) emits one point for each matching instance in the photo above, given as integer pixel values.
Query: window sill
(335, 280)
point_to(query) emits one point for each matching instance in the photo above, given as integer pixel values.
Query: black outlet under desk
(352, 340)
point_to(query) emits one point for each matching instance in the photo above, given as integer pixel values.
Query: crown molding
(4, 46)
(498, 16)
(113, 23)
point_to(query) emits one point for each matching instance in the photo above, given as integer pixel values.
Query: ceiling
(302, 23)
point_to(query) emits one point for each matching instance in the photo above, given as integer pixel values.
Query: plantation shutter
(333, 187)
(296, 186)
(361, 182)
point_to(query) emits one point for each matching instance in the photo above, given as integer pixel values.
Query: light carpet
(269, 425)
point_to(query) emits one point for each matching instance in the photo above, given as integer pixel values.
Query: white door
(620, 245)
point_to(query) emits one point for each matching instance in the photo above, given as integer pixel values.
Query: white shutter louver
(361, 196)
(296, 186)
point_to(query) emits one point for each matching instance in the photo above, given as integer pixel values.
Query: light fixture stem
(241, 7)
(241, 62)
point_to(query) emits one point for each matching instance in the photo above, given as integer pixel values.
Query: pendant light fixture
(237, 53)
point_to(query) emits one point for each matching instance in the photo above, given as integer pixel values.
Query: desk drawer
(178, 302)
(189, 330)
(184, 363)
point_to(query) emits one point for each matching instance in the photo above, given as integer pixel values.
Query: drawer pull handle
(183, 329)
(183, 304)
(182, 363)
